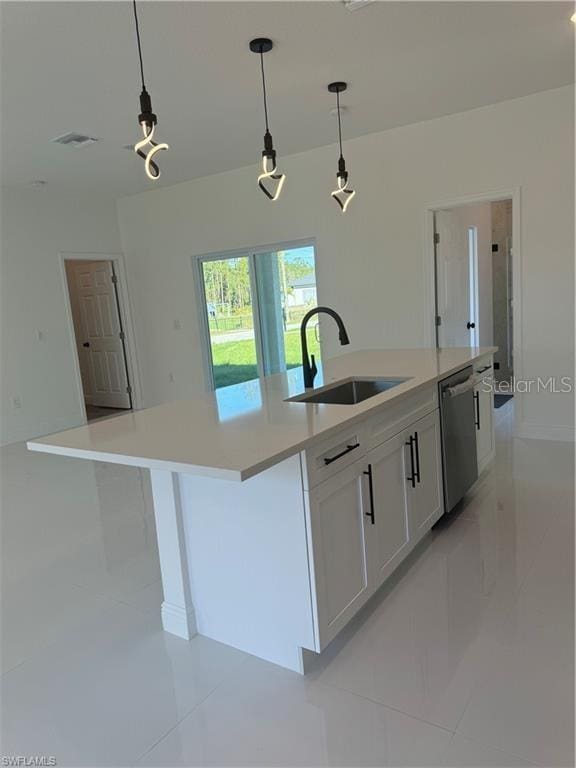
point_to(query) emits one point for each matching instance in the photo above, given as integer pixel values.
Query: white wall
(371, 261)
(36, 226)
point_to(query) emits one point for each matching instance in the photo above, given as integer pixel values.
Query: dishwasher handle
(459, 389)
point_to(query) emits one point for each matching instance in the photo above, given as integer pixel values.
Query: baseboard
(177, 621)
(545, 432)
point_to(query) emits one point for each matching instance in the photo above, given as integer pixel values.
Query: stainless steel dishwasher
(458, 420)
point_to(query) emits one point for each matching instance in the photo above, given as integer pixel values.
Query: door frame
(125, 312)
(250, 253)
(429, 268)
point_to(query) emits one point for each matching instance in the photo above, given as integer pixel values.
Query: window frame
(204, 326)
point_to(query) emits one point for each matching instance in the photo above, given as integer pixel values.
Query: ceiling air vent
(76, 140)
(355, 5)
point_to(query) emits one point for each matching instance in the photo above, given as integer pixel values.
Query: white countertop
(237, 432)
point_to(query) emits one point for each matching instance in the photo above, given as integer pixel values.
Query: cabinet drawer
(332, 454)
(391, 419)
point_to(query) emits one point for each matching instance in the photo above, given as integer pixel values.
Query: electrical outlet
(16, 402)
(177, 325)
(171, 378)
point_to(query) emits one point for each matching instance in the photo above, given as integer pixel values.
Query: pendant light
(147, 119)
(270, 180)
(342, 194)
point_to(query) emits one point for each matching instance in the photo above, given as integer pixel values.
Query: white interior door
(454, 281)
(102, 334)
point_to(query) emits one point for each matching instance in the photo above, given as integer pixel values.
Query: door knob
(470, 325)
(86, 344)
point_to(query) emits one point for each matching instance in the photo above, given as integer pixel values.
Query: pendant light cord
(339, 122)
(263, 89)
(139, 44)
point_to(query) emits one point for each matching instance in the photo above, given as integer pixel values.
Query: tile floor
(95, 412)
(466, 659)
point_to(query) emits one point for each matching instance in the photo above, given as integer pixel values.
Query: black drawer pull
(342, 453)
(371, 492)
(417, 446)
(412, 477)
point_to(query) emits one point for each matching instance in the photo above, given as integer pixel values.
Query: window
(253, 303)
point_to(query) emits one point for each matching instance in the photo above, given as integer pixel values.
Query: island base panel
(241, 574)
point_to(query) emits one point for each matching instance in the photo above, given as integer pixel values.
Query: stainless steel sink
(348, 392)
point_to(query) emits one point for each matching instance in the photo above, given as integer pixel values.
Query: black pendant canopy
(342, 194)
(270, 180)
(146, 118)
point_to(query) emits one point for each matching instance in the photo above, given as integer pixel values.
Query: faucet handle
(313, 368)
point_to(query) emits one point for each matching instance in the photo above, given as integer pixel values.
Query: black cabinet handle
(417, 451)
(86, 344)
(470, 325)
(342, 453)
(477, 404)
(412, 477)
(371, 492)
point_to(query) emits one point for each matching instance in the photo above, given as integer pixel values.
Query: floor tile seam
(499, 749)
(196, 706)
(357, 695)
(43, 648)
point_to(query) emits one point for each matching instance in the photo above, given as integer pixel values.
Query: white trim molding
(527, 430)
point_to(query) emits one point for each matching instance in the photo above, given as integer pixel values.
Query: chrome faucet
(310, 369)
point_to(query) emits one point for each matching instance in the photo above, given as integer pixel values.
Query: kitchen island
(277, 520)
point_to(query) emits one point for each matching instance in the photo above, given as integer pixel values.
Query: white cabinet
(407, 497)
(338, 514)
(484, 416)
(426, 494)
(365, 519)
(386, 488)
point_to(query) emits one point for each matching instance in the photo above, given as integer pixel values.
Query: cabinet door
(484, 426)
(387, 533)
(426, 497)
(337, 518)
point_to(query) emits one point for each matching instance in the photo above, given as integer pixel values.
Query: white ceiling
(72, 66)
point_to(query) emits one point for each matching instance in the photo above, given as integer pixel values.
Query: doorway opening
(98, 322)
(473, 269)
